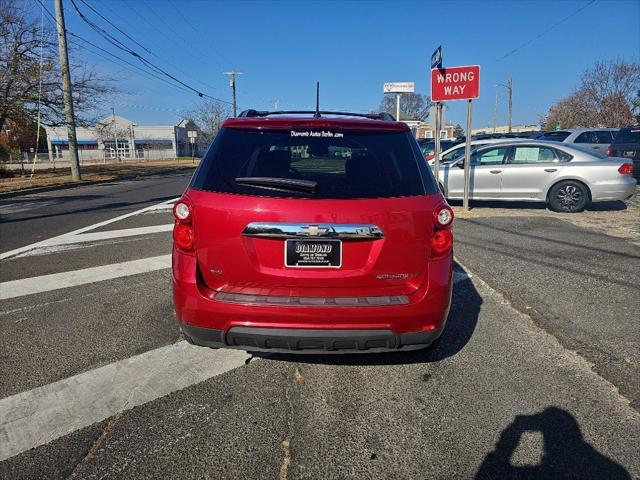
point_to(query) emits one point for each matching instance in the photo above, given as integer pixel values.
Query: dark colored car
(626, 144)
(313, 234)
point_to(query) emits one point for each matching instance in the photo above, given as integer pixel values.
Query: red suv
(312, 234)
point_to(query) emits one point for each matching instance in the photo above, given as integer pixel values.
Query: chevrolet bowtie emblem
(313, 230)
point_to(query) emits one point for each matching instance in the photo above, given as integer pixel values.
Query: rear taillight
(610, 152)
(441, 243)
(183, 236)
(443, 216)
(442, 240)
(626, 169)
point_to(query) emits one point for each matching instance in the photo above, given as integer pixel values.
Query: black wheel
(568, 196)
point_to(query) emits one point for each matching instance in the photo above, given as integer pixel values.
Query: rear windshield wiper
(279, 183)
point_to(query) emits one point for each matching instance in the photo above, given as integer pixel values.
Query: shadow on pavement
(461, 323)
(591, 207)
(566, 453)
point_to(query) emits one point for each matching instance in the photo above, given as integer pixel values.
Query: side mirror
(460, 164)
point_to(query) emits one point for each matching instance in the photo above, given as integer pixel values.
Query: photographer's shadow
(566, 453)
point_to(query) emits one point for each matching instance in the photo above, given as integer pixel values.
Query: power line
(163, 33)
(116, 27)
(548, 29)
(120, 45)
(195, 28)
(118, 60)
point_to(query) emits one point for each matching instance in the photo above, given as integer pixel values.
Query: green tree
(458, 131)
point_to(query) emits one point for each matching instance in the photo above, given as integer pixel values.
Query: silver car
(566, 177)
(597, 139)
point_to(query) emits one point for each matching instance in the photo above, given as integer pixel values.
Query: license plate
(629, 153)
(313, 253)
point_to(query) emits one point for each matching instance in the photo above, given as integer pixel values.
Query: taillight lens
(610, 152)
(183, 235)
(442, 240)
(626, 169)
(441, 243)
(182, 211)
(443, 216)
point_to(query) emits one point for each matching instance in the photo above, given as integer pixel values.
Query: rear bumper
(619, 190)
(309, 328)
(279, 340)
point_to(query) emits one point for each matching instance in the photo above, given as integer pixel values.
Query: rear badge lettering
(320, 134)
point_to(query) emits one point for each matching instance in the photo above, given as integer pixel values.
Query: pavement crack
(286, 443)
(96, 445)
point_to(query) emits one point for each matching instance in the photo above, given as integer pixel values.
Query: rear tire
(568, 196)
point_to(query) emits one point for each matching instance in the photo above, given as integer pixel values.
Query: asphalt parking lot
(536, 375)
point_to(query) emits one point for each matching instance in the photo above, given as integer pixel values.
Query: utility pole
(115, 132)
(66, 92)
(275, 105)
(510, 87)
(232, 83)
(398, 106)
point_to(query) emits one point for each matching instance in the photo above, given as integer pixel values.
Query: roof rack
(263, 113)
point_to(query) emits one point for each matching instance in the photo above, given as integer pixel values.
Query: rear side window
(342, 164)
(586, 137)
(533, 155)
(554, 136)
(628, 135)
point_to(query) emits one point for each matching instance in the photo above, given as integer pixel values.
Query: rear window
(554, 136)
(628, 135)
(342, 164)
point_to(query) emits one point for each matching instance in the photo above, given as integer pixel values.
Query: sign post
(458, 83)
(398, 88)
(467, 158)
(436, 62)
(192, 134)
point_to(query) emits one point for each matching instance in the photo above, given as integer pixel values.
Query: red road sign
(455, 83)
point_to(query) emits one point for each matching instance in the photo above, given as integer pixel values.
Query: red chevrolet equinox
(323, 233)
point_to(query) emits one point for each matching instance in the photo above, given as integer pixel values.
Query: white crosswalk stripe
(41, 415)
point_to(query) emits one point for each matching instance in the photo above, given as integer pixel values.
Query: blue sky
(352, 48)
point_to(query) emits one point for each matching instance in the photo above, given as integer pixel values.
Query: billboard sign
(399, 87)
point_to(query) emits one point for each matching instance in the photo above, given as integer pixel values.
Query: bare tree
(606, 97)
(209, 116)
(21, 42)
(413, 106)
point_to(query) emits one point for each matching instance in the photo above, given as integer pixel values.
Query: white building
(505, 129)
(118, 137)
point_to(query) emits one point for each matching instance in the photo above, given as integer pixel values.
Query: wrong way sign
(455, 83)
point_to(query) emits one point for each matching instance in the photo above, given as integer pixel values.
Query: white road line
(55, 281)
(57, 243)
(41, 415)
(53, 240)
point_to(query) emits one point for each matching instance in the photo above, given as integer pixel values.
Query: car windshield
(628, 135)
(337, 164)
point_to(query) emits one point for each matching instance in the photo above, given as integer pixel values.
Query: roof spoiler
(384, 116)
